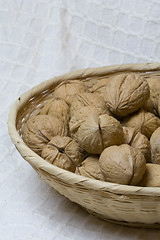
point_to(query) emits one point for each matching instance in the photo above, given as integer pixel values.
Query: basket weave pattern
(130, 205)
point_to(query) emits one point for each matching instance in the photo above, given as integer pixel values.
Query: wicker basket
(128, 205)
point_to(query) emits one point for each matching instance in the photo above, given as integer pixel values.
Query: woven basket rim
(66, 176)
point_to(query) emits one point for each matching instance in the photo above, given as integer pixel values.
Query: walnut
(93, 131)
(142, 143)
(151, 177)
(67, 89)
(79, 117)
(38, 131)
(90, 168)
(122, 164)
(63, 152)
(128, 134)
(137, 140)
(56, 107)
(155, 146)
(154, 84)
(126, 93)
(100, 86)
(88, 99)
(149, 107)
(159, 107)
(142, 121)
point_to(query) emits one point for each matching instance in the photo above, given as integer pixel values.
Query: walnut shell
(154, 84)
(56, 107)
(100, 86)
(142, 121)
(90, 168)
(126, 93)
(95, 132)
(149, 107)
(137, 140)
(159, 107)
(63, 152)
(39, 130)
(122, 164)
(88, 99)
(142, 143)
(151, 177)
(128, 134)
(155, 146)
(79, 117)
(67, 89)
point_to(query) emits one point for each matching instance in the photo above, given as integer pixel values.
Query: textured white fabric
(38, 40)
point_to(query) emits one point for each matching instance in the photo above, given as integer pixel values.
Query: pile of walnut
(109, 132)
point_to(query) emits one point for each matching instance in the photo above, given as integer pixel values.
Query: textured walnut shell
(137, 140)
(151, 177)
(142, 121)
(39, 130)
(100, 86)
(56, 107)
(122, 164)
(149, 107)
(90, 168)
(128, 134)
(95, 132)
(126, 93)
(79, 117)
(63, 152)
(142, 143)
(154, 84)
(155, 146)
(159, 107)
(88, 99)
(66, 90)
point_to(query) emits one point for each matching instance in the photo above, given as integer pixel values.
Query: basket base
(126, 224)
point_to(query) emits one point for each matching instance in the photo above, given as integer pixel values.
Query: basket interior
(34, 104)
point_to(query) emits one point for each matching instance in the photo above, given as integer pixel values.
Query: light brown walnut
(99, 87)
(63, 152)
(126, 93)
(128, 134)
(39, 130)
(139, 141)
(159, 107)
(155, 146)
(122, 164)
(56, 107)
(93, 131)
(90, 168)
(143, 122)
(88, 99)
(79, 117)
(151, 177)
(149, 107)
(154, 84)
(67, 89)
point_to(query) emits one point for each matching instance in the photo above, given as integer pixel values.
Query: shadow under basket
(122, 204)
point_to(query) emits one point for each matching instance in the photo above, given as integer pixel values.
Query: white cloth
(38, 40)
